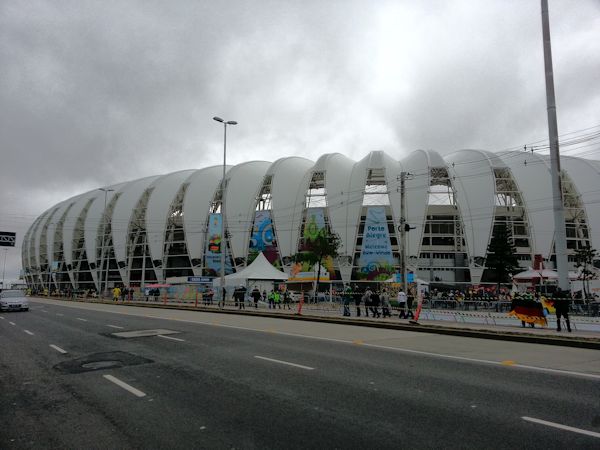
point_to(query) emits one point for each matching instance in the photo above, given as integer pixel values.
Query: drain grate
(101, 361)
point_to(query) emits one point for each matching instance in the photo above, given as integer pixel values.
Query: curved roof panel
(288, 189)
(243, 183)
(196, 205)
(475, 186)
(418, 165)
(532, 175)
(338, 170)
(158, 209)
(123, 212)
(586, 178)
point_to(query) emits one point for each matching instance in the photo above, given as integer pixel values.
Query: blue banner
(376, 260)
(263, 239)
(214, 243)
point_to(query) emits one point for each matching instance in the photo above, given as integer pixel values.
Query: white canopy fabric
(260, 269)
(548, 274)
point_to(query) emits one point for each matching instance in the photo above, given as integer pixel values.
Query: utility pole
(560, 236)
(403, 271)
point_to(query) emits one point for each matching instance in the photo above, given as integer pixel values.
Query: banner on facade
(313, 228)
(376, 261)
(214, 245)
(263, 239)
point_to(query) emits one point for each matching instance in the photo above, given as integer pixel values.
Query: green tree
(320, 247)
(584, 258)
(501, 255)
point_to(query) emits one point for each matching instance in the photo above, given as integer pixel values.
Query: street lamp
(223, 240)
(106, 191)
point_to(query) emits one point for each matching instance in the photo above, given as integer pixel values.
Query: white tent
(260, 269)
(546, 274)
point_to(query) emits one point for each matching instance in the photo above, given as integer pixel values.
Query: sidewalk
(485, 325)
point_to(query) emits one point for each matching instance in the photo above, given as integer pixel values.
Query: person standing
(402, 304)
(116, 293)
(561, 306)
(255, 296)
(367, 300)
(287, 299)
(385, 303)
(272, 299)
(277, 300)
(346, 298)
(236, 296)
(357, 298)
(375, 304)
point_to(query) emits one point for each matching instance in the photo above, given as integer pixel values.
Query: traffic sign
(7, 239)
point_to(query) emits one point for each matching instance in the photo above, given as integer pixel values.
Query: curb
(579, 342)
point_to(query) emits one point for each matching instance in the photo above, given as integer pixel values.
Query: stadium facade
(147, 230)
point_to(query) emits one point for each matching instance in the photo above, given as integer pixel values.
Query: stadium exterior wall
(147, 230)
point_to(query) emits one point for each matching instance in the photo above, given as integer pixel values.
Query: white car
(13, 300)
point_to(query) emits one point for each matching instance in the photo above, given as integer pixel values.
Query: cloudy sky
(97, 92)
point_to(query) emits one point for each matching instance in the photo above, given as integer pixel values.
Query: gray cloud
(93, 92)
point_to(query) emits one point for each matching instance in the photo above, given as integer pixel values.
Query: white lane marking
(418, 352)
(398, 349)
(12, 323)
(58, 349)
(1, 317)
(352, 342)
(285, 362)
(115, 326)
(28, 332)
(169, 337)
(83, 320)
(561, 427)
(485, 361)
(125, 386)
(59, 314)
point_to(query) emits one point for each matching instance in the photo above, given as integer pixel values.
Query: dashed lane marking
(125, 386)
(1, 317)
(83, 320)
(285, 362)
(28, 332)
(59, 314)
(58, 349)
(12, 323)
(115, 326)
(561, 426)
(169, 337)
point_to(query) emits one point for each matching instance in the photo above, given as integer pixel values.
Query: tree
(501, 254)
(584, 258)
(324, 244)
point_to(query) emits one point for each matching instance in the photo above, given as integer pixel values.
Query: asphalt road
(222, 381)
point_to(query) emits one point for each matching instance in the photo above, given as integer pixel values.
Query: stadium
(152, 229)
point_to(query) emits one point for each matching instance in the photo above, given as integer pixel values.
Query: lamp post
(4, 267)
(106, 191)
(223, 239)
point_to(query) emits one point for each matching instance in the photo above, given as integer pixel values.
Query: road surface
(73, 376)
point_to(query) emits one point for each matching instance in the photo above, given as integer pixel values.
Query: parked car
(13, 300)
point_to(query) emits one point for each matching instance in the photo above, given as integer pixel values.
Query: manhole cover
(100, 361)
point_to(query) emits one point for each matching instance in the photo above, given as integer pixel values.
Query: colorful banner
(313, 227)
(263, 239)
(376, 260)
(214, 243)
